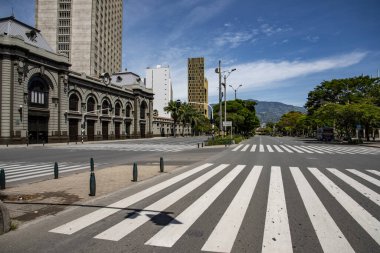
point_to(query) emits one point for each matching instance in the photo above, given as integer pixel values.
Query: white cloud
(265, 74)
(233, 39)
(312, 39)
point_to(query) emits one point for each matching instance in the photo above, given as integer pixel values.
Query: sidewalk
(31, 200)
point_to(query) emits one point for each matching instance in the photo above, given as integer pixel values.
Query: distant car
(325, 134)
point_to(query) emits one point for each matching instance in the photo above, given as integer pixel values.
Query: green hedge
(219, 140)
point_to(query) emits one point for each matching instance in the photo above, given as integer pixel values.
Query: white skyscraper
(160, 81)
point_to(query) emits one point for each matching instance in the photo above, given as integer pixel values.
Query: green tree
(174, 109)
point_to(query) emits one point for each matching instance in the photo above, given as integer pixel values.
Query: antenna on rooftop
(13, 15)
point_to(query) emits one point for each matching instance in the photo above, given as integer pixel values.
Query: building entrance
(105, 130)
(73, 129)
(90, 130)
(117, 130)
(38, 129)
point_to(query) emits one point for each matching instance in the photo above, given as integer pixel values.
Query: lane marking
(224, 234)
(245, 148)
(239, 146)
(253, 149)
(304, 149)
(278, 149)
(276, 232)
(367, 192)
(295, 149)
(169, 235)
(89, 219)
(369, 223)
(286, 149)
(312, 149)
(328, 233)
(261, 148)
(374, 172)
(270, 149)
(41, 170)
(44, 174)
(128, 225)
(365, 177)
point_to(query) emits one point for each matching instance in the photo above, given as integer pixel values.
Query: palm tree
(174, 109)
(187, 115)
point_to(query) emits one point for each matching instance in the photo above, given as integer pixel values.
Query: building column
(150, 118)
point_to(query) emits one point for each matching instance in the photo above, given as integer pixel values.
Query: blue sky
(281, 49)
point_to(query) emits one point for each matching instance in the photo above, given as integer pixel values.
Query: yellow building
(197, 86)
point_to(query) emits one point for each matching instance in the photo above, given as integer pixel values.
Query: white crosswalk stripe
(311, 149)
(19, 171)
(365, 176)
(225, 232)
(130, 147)
(276, 220)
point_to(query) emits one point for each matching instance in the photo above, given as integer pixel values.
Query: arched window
(128, 111)
(117, 109)
(73, 102)
(142, 110)
(91, 104)
(105, 107)
(38, 91)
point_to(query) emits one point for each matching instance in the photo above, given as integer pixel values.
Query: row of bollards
(201, 144)
(92, 175)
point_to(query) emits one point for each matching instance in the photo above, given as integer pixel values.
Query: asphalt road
(307, 198)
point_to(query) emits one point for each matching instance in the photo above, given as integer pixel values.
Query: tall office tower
(89, 32)
(160, 81)
(197, 85)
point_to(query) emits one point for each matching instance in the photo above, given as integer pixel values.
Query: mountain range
(272, 111)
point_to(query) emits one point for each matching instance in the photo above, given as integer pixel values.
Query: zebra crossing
(17, 171)
(309, 149)
(130, 147)
(226, 230)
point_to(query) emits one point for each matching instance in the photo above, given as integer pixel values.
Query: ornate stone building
(42, 101)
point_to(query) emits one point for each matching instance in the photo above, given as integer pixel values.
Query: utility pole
(220, 97)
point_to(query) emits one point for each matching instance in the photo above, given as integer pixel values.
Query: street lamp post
(225, 97)
(236, 89)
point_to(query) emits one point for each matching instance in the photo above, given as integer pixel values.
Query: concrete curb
(5, 221)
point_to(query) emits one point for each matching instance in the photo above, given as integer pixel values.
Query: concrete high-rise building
(197, 85)
(160, 81)
(89, 32)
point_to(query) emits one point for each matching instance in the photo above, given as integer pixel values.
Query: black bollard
(134, 172)
(161, 164)
(92, 164)
(2, 179)
(55, 170)
(92, 178)
(202, 144)
(92, 184)
(198, 145)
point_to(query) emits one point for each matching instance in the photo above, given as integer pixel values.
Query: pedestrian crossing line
(128, 225)
(312, 149)
(253, 149)
(328, 233)
(238, 147)
(322, 150)
(345, 150)
(305, 150)
(365, 177)
(169, 235)
(374, 172)
(37, 170)
(369, 223)
(295, 149)
(276, 220)
(261, 148)
(12, 165)
(245, 148)
(20, 169)
(278, 149)
(89, 219)
(364, 190)
(270, 149)
(286, 149)
(44, 174)
(330, 150)
(224, 234)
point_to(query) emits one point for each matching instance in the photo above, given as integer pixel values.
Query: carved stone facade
(42, 101)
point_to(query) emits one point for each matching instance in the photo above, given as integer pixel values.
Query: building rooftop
(10, 26)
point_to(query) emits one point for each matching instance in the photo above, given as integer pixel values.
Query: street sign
(227, 123)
